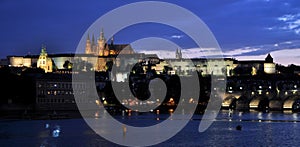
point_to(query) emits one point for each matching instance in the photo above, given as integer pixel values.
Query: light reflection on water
(258, 129)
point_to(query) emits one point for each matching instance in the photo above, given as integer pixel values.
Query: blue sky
(245, 29)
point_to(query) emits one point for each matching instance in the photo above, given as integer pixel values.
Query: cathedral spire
(88, 45)
(102, 35)
(112, 40)
(180, 54)
(93, 40)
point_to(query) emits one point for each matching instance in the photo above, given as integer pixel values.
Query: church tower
(88, 47)
(94, 46)
(101, 44)
(269, 59)
(269, 65)
(44, 62)
(178, 54)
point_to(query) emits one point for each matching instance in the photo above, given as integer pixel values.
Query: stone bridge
(261, 103)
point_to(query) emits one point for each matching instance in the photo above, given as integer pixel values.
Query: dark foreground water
(258, 129)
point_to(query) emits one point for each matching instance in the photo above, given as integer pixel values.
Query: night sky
(245, 29)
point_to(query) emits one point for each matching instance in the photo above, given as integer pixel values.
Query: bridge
(262, 102)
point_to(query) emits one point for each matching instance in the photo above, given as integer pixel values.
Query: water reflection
(295, 116)
(275, 129)
(259, 116)
(47, 126)
(56, 131)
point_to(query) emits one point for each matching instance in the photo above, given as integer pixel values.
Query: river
(257, 129)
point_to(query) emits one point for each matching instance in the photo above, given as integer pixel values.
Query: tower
(269, 66)
(269, 59)
(101, 44)
(88, 47)
(94, 46)
(112, 41)
(178, 54)
(44, 62)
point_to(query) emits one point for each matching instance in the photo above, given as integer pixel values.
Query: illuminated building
(254, 67)
(269, 66)
(100, 53)
(44, 62)
(21, 61)
(102, 48)
(55, 92)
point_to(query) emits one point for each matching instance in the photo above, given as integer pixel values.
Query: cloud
(200, 52)
(284, 53)
(287, 17)
(240, 51)
(177, 36)
(289, 22)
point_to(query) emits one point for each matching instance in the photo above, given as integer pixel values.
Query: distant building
(178, 54)
(269, 65)
(22, 61)
(254, 67)
(44, 62)
(55, 91)
(100, 54)
(102, 48)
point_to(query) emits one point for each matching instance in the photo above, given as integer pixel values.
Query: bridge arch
(276, 104)
(229, 102)
(259, 103)
(292, 103)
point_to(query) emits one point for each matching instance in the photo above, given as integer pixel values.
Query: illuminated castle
(102, 54)
(102, 48)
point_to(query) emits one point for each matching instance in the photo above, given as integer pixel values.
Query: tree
(68, 65)
(138, 69)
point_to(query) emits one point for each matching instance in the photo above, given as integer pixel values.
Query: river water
(258, 129)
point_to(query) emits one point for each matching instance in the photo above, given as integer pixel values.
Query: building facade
(44, 62)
